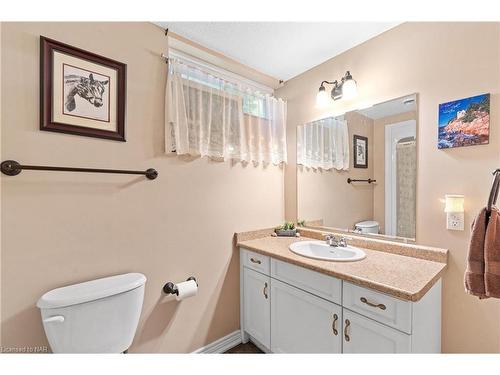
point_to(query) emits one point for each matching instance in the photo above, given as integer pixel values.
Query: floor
(247, 348)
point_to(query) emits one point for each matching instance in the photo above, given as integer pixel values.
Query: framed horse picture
(81, 92)
(360, 148)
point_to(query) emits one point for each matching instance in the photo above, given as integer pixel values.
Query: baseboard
(222, 345)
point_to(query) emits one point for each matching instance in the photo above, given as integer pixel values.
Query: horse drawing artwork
(89, 89)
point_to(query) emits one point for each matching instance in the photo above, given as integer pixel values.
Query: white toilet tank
(98, 316)
(368, 226)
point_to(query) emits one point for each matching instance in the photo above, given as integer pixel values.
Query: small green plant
(301, 223)
(286, 226)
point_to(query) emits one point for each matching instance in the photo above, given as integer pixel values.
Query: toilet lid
(367, 224)
(91, 290)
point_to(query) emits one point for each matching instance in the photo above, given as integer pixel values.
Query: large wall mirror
(357, 172)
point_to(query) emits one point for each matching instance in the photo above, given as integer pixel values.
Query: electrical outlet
(455, 221)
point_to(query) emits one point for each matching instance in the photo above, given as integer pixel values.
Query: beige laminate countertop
(401, 276)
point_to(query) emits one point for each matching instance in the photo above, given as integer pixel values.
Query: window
(209, 115)
(253, 104)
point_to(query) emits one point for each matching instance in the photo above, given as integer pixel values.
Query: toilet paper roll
(186, 289)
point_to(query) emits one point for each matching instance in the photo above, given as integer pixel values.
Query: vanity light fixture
(454, 208)
(347, 88)
(322, 98)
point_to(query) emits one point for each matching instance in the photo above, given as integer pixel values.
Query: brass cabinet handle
(265, 290)
(346, 334)
(381, 306)
(334, 324)
(253, 260)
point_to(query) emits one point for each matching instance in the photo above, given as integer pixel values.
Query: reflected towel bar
(13, 168)
(349, 180)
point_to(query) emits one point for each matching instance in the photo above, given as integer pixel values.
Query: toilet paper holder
(171, 288)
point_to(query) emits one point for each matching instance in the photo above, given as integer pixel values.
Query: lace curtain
(209, 116)
(323, 144)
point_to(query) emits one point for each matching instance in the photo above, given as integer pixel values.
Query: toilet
(98, 316)
(368, 226)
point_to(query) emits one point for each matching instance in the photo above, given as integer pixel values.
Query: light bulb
(349, 89)
(322, 98)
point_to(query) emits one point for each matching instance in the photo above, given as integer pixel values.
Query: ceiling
(279, 49)
(391, 107)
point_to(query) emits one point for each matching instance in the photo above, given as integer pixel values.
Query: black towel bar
(349, 180)
(13, 168)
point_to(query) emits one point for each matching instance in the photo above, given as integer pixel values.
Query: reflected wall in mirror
(326, 154)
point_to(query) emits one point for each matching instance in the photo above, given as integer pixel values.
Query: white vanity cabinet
(302, 322)
(256, 306)
(286, 308)
(364, 335)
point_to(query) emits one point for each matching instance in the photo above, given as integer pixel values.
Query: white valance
(208, 115)
(323, 144)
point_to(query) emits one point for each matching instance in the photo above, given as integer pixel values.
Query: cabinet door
(256, 305)
(302, 322)
(363, 335)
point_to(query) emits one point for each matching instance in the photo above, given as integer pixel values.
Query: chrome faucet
(331, 240)
(343, 242)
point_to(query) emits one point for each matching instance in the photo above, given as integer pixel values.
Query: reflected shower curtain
(406, 159)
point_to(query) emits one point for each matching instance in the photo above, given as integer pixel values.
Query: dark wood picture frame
(357, 138)
(47, 48)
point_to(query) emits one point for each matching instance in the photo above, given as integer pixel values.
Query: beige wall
(62, 228)
(379, 162)
(441, 62)
(342, 205)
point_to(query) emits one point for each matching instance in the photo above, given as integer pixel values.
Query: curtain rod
(262, 81)
(231, 76)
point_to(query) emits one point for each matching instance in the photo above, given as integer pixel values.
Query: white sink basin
(323, 251)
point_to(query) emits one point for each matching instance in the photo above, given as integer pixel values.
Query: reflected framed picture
(360, 148)
(464, 122)
(81, 93)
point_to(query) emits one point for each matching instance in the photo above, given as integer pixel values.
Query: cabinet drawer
(255, 261)
(381, 307)
(314, 282)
